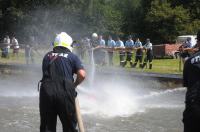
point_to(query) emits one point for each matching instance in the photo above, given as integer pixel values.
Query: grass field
(164, 66)
(159, 65)
(20, 59)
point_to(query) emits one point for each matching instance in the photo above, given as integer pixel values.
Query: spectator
(29, 55)
(111, 44)
(5, 52)
(15, 46)
(120, 44)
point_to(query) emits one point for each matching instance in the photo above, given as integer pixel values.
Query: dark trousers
(185, 54)
(137, 58)
(191, 118)
(129, 56)
(148, 58)
(122, 56)
(57, 100)
(5, 53)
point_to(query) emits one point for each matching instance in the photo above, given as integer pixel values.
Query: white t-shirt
(148, 46)
(7, 41)
(15, 43)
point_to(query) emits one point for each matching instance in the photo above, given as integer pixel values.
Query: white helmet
(94, 35)
(64, 40)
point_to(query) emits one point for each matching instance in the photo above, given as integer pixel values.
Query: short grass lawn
(170, 66)
(159, 65)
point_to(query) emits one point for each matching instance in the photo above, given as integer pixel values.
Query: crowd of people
(58, 94)
(58, 86)
(99, 47)
(13, 44)
(10, 43)
(102, 50)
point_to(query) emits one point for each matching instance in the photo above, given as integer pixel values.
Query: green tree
(165, 23)
(193, 6)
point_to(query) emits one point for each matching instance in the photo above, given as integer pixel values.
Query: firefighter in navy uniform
(129, 54)
(149, 54)
(191, 79)
(57, 91)
(139, 53)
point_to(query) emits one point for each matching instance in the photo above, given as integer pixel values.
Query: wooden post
(78, 115)
(180, 63)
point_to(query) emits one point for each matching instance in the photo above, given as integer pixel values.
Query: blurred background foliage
(160, 20)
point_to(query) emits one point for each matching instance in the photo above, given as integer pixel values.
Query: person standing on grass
(120, 44)
(29, 54)
(149, 54)
(5, 52)
(191, 80)
(15, 45)
(111, 44)
(58, 88)
(129, 54)
(139, 53)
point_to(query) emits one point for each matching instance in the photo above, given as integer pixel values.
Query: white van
(182, 39)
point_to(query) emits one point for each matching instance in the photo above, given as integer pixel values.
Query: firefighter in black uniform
(191, 78)
(57, 91)
(149, 54)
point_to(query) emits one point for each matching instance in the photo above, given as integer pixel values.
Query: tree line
(160, 20)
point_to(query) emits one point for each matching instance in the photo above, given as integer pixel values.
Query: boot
(123, 63)
(134, 65)
(141, 65)
(150, 66)
(131, 63)
(144, 65)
